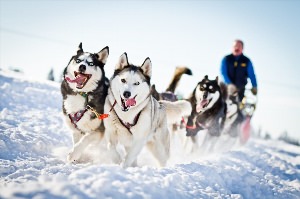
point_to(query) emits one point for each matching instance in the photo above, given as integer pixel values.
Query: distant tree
(17, 70)
(267, 136)
(50, 75)
(61, 78)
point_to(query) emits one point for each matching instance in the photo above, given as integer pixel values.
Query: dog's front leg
(132, 153)
(80, 146)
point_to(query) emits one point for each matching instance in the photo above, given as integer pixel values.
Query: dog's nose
(205, 95)
(126, 94)
(82, 68)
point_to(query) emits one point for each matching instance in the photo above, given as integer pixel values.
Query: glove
(254, 90)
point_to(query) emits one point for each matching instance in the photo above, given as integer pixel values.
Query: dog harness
(128, 125)
(169, 96)
(76, 117)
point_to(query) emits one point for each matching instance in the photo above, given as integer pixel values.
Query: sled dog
(136, 118)
(234, 116)
(208, 108)
(84, 90)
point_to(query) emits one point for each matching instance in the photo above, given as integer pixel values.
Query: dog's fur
(137, 119)
(169, 93)
(234, 116)
(208, 108)
(84, 84)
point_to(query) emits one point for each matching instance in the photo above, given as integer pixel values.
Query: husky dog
(169, 93)
(234, 116)
(136, 118)
(208, 108)
(84, 90)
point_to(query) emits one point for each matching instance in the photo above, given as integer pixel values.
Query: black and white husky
(136, 118)
(84, 90)
(208, 110)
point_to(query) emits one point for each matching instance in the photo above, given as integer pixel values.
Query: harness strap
(75, 117)
(128, 125)
(194, 126)
(101, 116)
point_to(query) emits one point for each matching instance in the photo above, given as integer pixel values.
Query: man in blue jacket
(236, 68)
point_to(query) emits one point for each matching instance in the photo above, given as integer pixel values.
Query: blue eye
(78, 61)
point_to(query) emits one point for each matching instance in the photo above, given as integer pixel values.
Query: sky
(36, 36)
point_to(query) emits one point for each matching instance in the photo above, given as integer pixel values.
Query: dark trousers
(241, 93)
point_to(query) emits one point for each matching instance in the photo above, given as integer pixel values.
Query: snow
(35, 142)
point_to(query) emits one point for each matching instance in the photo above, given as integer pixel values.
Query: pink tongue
(204, 102)
(79, 79)
(199, 107)
(130, 102)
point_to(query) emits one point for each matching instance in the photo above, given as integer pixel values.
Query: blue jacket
(236, 70)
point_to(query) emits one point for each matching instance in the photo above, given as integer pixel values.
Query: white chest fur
(75, 103)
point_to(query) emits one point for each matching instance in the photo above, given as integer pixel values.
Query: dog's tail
(176, 110)
(179, 71)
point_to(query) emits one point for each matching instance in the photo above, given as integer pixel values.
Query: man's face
(237, 48)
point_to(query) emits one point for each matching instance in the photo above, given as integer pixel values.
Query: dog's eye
(136, 83)
(201, 88)
(123, 81)
(78, 61)
(91, 64)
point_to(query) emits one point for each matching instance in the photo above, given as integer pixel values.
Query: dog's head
(85, 69)
(130, 84)
(206, 94)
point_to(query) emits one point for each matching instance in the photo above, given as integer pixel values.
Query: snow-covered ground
(34, 142)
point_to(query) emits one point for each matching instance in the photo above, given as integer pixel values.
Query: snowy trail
(34, 142)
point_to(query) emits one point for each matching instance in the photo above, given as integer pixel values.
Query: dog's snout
(82, 68)
(126, 94)
(205, 95)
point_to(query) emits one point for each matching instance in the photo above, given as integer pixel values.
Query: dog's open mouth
(202, 105)
(80, 79)
(127, 103)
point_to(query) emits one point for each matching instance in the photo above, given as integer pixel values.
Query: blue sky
(37, 35)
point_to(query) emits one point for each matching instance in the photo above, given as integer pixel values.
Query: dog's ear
(103, 54)
(147, 67)
(206, 77)
(79, 50)
(217, 79)
(123, 61)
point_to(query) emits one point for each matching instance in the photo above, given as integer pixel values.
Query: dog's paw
(73, 157)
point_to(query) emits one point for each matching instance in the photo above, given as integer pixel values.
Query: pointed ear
(217, 79)
(123, 61)
(79, 50)
(103, 54)
(147, 67)
(206, 77)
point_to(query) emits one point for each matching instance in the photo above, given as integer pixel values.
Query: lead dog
(84, 90)
(136, 118)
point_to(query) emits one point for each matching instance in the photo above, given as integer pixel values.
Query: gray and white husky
(84, 90)
(136, 118)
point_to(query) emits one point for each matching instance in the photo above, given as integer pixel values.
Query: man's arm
(251, 74)
(224, 71)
